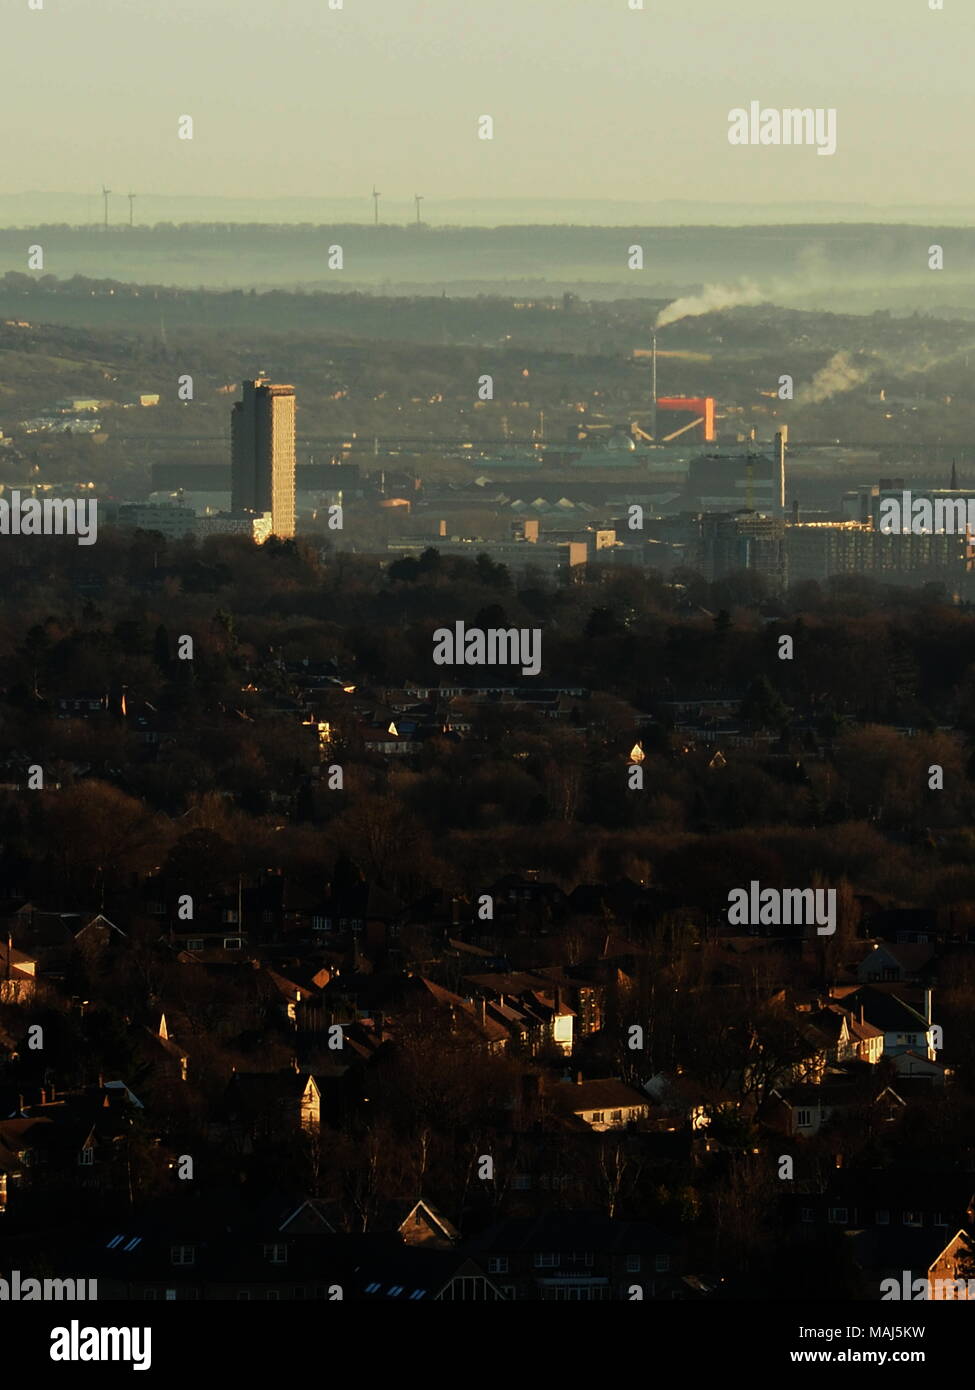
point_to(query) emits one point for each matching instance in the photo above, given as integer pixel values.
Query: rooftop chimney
(578, 1078)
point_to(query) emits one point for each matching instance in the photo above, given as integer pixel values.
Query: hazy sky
(590, 99)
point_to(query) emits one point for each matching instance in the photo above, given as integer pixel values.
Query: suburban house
(18, 974)
(261, 1101)
(578, 1257)
(604, 1104)
(804, 1110)
(905, 1028)
(889, 962)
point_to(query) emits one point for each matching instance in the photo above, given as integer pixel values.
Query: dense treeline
(825, 759)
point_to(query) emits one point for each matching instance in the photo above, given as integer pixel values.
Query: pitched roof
(608, 1093)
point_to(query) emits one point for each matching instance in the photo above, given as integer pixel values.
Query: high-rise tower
(262, 435)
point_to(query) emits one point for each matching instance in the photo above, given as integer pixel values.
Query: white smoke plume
(711, 299)
(840, 374)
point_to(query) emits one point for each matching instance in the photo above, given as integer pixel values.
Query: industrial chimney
(779, 466)
(653, 388)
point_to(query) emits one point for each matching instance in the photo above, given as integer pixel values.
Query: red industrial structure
(701, 406)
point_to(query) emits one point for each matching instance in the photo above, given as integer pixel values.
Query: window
(883, 1217)
(633, 1264)
(243, 1296)
(545, 1260)
(803, 1119)
(232, 943)
(86, 1157)
(913, 1218)
(320, 923)
(578, 1257)
(277, 1254)
(170, 1295)
(838, 1215)
(661, 1263)
(182, 1254)
(598, 1116)
(195, 944)
(272, 1295)
(807, 1214)
(521, 1182)
(418, 1218)
(149, 1295)
(498, 1264)
(267, 917)
(939, 1219)
(617, 1117)
(229, 914)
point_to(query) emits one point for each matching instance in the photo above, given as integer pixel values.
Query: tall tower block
(262, 443)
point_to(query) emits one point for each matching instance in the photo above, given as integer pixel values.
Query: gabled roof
(886, 1011)
(910, 956)
(413, 1273)
(311, 1214)
(608, 1093)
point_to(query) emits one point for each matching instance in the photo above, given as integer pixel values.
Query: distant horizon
(31, 208)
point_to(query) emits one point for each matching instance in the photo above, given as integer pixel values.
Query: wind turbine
(375, 203)
(418, 199)
(105, 193)
(131, 197)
